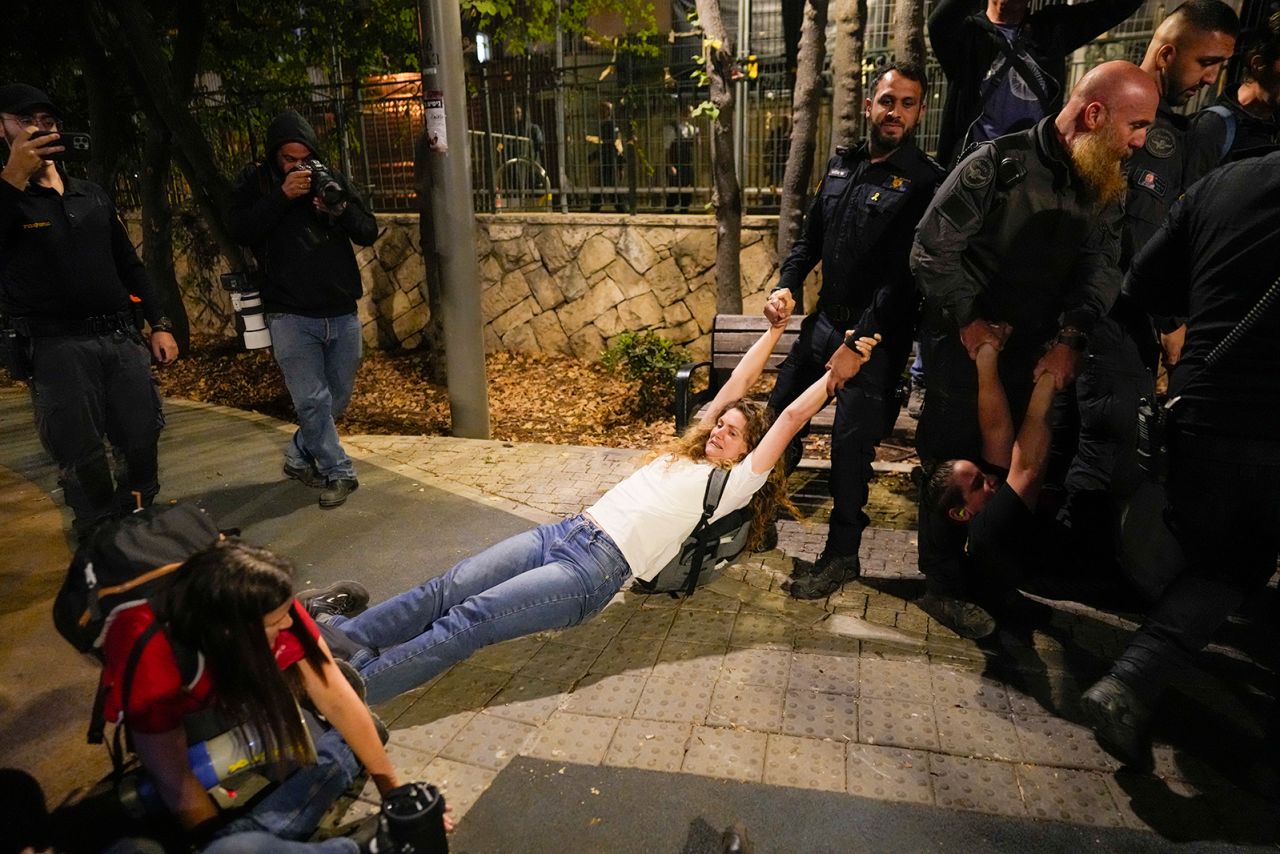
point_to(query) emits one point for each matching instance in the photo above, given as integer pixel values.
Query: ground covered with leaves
(532, 397)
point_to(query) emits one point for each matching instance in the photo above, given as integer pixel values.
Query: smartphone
(77, 147)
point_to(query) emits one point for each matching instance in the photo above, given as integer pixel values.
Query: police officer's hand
(1062, 362)
(779, 306)
(296, 184)
(28, 156)
(163, 347)
(1171, 343)
(977, 333)
(847, 361)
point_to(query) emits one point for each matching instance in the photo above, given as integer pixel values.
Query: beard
(880, 142)
(1098, 165)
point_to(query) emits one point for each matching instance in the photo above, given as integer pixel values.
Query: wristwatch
(164, 324)
(1073, 338)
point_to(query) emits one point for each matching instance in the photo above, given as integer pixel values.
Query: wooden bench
(731, 336)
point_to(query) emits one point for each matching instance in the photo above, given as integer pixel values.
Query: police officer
(1212, 260)
(67, 275)
(860, 226)
(1025, 232)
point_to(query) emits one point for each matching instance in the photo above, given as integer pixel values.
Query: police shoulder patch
(978, 173)
(1161, 143)
(838, 172)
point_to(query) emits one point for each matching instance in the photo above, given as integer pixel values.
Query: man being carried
(860, 226)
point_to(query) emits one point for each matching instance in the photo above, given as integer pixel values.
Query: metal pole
(561, 144)
(453, 221)
(740, 96)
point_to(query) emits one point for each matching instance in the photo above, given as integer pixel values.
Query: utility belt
(837, 313)
(44, 327)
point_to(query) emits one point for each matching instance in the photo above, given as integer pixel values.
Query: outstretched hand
(1061, 362)
(778, 308)
(848, 360)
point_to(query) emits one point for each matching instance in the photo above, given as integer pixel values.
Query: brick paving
(862, 693)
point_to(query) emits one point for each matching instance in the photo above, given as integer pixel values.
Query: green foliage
(650, 360)
(520, 24)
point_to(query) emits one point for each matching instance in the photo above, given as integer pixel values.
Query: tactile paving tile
(752, 707)
(560, 663)
(671, 700)
(527, 700)
(508, 656)
(766, 667)
(889, 773)
(976, 784)
(573, 738)
(654, 745)
(1049, 740)
(710, 600)
(829, 674)
(904, 681)
(888, 722)
(626, 655)
(649, 623)
(804, 763)
(974, 732)
(596, 632)
(1051, 693)
(701, 627)
(428, 727)
(763, 632)
(391, 710)
(460, 783)
(689, 662)
(967, 690)
(727, 753)
(354, 810)
(1063, 794)
(606, 696)
(488, 741)
(816, 715)
(819, 640)
(466, 687)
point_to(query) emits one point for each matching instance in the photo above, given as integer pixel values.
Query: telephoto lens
(413, 820)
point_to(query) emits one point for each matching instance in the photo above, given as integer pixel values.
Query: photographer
(300, 218)
(68, 279)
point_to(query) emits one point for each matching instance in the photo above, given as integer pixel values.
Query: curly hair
(769, 498)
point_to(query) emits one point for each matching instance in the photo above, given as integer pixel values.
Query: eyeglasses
(43, 121)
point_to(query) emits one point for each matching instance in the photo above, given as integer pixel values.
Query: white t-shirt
(655, 509)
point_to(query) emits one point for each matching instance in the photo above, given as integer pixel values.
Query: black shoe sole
(1099, 720)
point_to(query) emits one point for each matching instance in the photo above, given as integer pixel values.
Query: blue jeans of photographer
(552, 577)
(318, 357)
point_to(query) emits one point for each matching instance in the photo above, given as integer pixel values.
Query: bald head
(1114, 94)
(1189, 48)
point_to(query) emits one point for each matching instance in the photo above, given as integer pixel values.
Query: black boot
(1120, 721)
(830, 572)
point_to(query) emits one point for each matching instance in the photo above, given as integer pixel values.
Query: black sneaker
(1119, 721)
(967, 619)
(830, 572)
(340, 599)
(337, 491)
(307, 475)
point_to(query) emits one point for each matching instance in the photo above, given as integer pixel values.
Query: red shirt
(158, 701)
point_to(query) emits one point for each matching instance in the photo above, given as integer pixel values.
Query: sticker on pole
(435, 128)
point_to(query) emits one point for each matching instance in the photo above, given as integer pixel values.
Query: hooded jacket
(306, 257)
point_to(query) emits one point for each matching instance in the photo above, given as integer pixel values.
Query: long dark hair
(215, 604)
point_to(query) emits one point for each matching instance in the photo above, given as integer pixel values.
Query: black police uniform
(1226, 131)
(67, 270)
(860, 226)
(1012, 235)
(1211, 261)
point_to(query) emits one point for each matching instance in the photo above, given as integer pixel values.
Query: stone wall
(549, 282)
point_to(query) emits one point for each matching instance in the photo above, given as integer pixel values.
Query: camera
(77, 147)
(412, 820)
(247, 302)
(323, 184)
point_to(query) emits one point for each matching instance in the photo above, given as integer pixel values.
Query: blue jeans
(552, 577)
(265, 843)
(294, 809)
(318, 357)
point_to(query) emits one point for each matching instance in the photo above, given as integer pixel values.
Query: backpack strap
(1232, 122)
(710, 500)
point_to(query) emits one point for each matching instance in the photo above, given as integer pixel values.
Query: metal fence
(597, 131)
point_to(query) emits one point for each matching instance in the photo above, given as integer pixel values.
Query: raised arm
(1031, 450)
(795, 416)
(994, 418)
(747, 371)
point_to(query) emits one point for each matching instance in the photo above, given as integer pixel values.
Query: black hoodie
(309, 265)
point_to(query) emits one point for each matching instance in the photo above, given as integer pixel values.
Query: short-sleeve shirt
(159, 699)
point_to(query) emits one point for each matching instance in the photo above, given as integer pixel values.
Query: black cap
(18, 98)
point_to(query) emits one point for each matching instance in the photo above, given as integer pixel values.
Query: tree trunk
(908, 31)
(846, 72)
(806, 99)
(157, 233)
(726, 194)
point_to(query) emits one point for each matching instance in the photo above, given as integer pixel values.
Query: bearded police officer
(67, 274)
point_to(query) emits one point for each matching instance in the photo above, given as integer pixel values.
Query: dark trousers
(865, 411)
(1225, 497)
(87, 388)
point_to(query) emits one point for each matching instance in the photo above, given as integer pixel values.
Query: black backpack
(707, 548)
